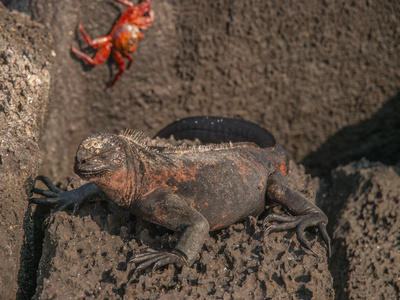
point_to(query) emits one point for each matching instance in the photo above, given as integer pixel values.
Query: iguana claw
(287, 222)
(150, 256)
(63, 199)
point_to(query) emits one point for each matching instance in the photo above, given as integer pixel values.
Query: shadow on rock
(364, 222)
(376, 139)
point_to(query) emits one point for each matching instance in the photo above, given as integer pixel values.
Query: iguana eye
(97, 151)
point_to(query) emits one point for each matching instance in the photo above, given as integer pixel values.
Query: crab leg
(144, 22)
(144, 6)
(124, 2)
(98, 59)
(133, 14)
(119, 59)
(130, 59)
(104, 43)
(96, 43)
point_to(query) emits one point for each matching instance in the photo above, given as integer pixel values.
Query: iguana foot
(150, 256)
(63, 199)
(286, 222)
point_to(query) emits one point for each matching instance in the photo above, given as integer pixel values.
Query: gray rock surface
(365, 199)
(24, 96)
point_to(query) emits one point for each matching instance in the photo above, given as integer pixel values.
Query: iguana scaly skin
(192, 190)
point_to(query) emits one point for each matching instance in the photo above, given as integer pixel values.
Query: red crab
(122, 39)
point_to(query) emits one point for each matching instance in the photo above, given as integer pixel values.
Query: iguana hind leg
(304, 213)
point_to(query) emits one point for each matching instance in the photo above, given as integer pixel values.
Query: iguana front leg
(64, 199)
(305, 213)
(169, 210)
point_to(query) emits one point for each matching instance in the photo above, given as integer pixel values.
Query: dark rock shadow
(376, 139)
(31, 251)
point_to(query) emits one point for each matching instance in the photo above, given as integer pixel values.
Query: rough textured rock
(304, 70)
(366, 251)
(86, 256)
(322, 76)
(24, 95)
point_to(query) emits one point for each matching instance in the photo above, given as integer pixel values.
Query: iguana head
(98, 155)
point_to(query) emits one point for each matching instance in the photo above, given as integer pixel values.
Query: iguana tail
(210, 129)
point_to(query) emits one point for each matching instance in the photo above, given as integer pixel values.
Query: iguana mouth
(87, 172)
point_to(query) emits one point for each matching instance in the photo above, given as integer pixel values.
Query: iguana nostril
(83, 161)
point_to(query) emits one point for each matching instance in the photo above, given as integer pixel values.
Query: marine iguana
(192, 190)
